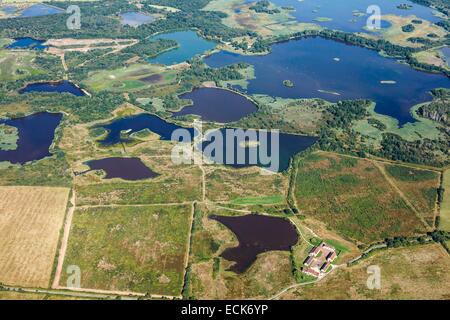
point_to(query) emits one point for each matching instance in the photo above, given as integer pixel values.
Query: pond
(256, 234)
(331, 70)
(137, 123)
(255, 150)
(125, 168)
(27, 43)
(135, 19)
(190, 44)
(58, 87)
(36, 133)
(40, 9)
(218, 105)
(350, 15)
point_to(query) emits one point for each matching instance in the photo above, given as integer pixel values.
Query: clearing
(30, 222)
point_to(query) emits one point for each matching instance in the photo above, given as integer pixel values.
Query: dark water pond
(40, 9)
(350, 15)
(189, 45)
(218, 105)
(335, 71)
(36, 134)
(265, 153)
(27, 43)
(135, 124)
(124, 168)
(135, 19)
(256, 234)
(59, 87)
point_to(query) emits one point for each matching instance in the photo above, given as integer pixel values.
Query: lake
(288, 146)
(346, 15)
(256, 234)
(40, 9)
(137, 123)
(218, 105)
(36, 134)
(189, 45)
(58, 87)
(135, 19)
(124, 168)
(27, 43)
(331, 70)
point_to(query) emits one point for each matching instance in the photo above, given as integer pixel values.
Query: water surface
(40, 9)
(36, 134)
(346, 15)
(257, 149)
(135, 19)
(189, 45)
(256, 234)
(331, 70)
(27, 43)
(137, 123)
(58, 87)
(124, 168)
(218, 105)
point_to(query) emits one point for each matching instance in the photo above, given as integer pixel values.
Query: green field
(140, 249)
(445, 206)
(131, 78)
(352, 197)
(419, 186)
(17, 65)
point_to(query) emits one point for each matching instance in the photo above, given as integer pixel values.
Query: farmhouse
(319, 260)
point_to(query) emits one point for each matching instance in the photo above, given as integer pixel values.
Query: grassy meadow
(140, 249)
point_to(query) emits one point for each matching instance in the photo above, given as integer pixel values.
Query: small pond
(124, 168)
(36, 133)
(256, 234)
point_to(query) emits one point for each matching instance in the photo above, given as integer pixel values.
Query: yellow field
(30, 222)
(417, 272)
(445, 206)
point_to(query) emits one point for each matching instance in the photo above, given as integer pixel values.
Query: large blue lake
(345, 14)
(36, 134)
(189, 45)
(331, 70)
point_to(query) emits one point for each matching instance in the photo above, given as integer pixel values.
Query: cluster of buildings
(319, 260)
